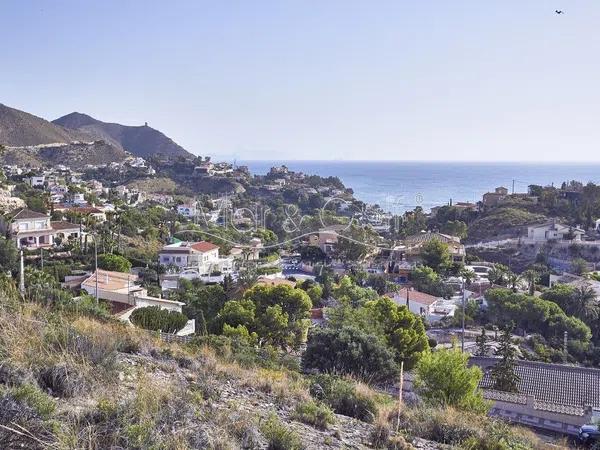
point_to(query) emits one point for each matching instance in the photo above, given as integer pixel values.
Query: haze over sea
(398, 186)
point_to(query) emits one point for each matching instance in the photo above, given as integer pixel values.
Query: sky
(330, 79)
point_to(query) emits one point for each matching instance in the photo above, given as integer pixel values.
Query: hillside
(75, 154)
(502, 223)
(142, 141)
(75, 382)
(19, 129)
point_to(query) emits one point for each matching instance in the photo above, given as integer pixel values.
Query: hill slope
(141, 141)
(18, 128)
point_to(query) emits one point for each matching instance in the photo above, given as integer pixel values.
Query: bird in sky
(559, 11)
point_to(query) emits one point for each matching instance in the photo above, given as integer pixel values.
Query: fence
(168, 337)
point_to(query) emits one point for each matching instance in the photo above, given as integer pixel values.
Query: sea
(400, 186)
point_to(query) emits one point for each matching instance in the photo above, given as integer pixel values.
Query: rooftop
(112, 281)
(416, 296)
(29, 214)
(63, 225)
(550, 383)
(429, 236)
(186, 247)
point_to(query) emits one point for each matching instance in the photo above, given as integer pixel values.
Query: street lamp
(96, 261)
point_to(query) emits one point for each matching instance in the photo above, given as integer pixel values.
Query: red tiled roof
(63, 225)
(204, 246)
(416, 296)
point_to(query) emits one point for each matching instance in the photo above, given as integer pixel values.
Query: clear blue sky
(389, 80)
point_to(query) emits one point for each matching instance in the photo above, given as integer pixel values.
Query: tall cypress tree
(482, 342)
(503, 373)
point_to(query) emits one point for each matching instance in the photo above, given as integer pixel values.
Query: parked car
(589, 434)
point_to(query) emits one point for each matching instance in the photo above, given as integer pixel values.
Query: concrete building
(192, 260)
(492, 199)
(188, 210)
(124, 295)
(29, 229)
(553, 231)
(429, 307)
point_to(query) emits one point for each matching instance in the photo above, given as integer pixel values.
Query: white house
(125, 296)
(29, 229)
(429, 307)
(553, 231)
(195, 259)
(188, 210)
(36, 181)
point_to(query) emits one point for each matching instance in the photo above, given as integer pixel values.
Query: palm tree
(531, 277)
(512, 280)
(584, 303)
(497, 274)
(468, 276)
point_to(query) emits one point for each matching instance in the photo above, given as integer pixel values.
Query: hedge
(154, 318)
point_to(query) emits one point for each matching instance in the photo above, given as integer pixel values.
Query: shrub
(17, 414)
(84, 306)
(279, 436)
(12, 376)
(466, 430)
(444, 378)
(315, 414)
(116, 263)
(95, 346)
(268, 270)
(349, 351)
(154, 318)
(60, 381)
(37, 400)
(380, 435)
(343, 397)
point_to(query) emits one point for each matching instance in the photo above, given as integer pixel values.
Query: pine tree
(503, 373)
(482, 342)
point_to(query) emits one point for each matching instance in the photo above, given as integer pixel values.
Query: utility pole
(513, 186)
(462, 339)
(96, 263)
(22, 276)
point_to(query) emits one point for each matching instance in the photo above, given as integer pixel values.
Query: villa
(192, 260)
(124, 295)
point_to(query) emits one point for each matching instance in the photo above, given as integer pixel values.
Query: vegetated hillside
(74, 382)
(73, 377)
(159, 185)
(141, 141)
(75, 154)
(502, 223)
(18, 128)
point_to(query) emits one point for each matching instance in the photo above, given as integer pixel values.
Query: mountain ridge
(141, 140)
(22, 129)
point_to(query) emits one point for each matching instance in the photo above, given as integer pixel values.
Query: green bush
(36, 399)
(154, 318)
(342, 396)
(279, 437)
(315, 414)
(268, 270)
(114, 262)
(349, 351)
